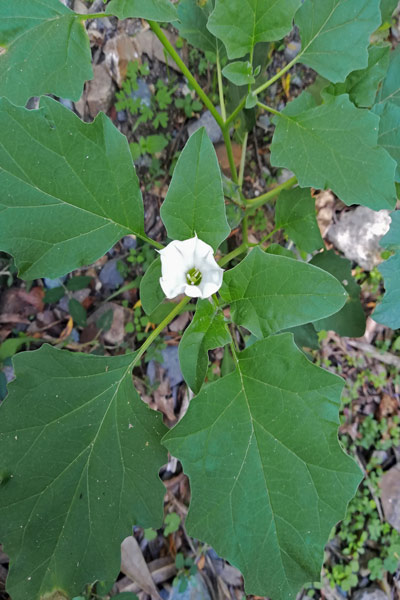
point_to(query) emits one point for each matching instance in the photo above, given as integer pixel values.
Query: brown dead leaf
(324, 204)
(66, 332)
(17, 301)
(222, 156)
(135, 567)
(387, 406)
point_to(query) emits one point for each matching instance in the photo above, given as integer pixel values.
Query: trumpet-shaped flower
(188, 267)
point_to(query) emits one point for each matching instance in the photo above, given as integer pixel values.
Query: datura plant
(80, 452)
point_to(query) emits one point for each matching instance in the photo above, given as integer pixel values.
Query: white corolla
(188, 267)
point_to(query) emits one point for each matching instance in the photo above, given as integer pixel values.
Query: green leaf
(77, 312)
(305, 336)
(195, 202)
(11, 346)
(239, 72)
(350, 321)
(389, 132)
(390, 90)
(241, 27)
(84, 453)
(388, 311)
(338, 147)
(274, 421)
(387, 9)
(54, 294)
(295, 213)
(192, 25)
(154, 10)
(70, 190)
(268, 293)
(79, 282)
(362, 85)
(322, 24)
(207, 331)
(151, 294)
(47, 51)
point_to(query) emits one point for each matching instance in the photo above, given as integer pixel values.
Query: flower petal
(193, 291)
(171, 288)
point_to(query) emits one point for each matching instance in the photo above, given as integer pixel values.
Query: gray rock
(171, 365)
(292, 50)
(67, 103)
(390, 496)
(143, 93)
(129, 242)
(358, 233)
(211, 126)
(53, 283)
(369, 593)
(264, 122)
(196, 590)
(284, 176)
(110, 276)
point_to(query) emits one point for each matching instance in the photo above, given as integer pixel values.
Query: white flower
(189, 267)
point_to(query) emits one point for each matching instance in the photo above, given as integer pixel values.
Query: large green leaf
(350, 320)
(69, 189)
(323, 24)
(333, 146)
(241, 26)
(390, 90)
(387, 9)
(264, 439)
(362, 85)
(207, 331)
(81, 453)
(46, 50)
(389, 131)
(193, 17)
(152, 297)
(388, 311)
(268, 293)
(195, 201)
(155, 10)
(295, 213)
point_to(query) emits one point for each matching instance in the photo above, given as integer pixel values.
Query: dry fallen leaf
(135, 567)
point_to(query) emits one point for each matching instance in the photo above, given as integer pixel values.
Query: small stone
(100, 91)
(211, 126)
(110, 276)
(196, 590)
(129, 242)
(143, 93)
(171, 365)
(292, 50)
(264, 122)
(390, 496)
(357, 234)
(284, 176)
(53, 283)
(119, 52)
(369, 593)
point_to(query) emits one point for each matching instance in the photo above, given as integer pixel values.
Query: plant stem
(154, 334)
(228, 257)
(229, 151)
(220, 88)
(270, 109)
(277, 76)
(254, 203)
(243, 159)
(245, 225)
(146, 238)
(173, 54)
(235, 113)
(92, 16)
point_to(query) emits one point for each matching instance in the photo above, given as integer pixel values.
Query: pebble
(53, 283)
(211, 126)
(143, 92)
(369, 593)
(110, 276)
(196, 590)
(292, 50)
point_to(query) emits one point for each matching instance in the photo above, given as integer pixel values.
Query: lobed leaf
(295, 213)
(387, 9)
(338, 147)
(389, 131)
(350, 320)
(323, 24)
(239, 72)
(207, 331)
(70, 190)
(83, 454)
(192, 26)
(390, 90)
(45, 51)
(388, 311)
(154, 10)
(264, 438)
(268, 293)
(242, 27)
(195, 193)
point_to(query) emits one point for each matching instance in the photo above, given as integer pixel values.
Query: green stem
(278, 75)
(245, 225)
(270, 109)
(146, 238)
(228, 257)
(229, 151)
(220, 88)
(154, 334)
(235, 113)
(243, 159)
(92, 16)
(173, 54)
(254, 203)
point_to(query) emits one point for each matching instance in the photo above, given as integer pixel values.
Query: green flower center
(193, 277)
